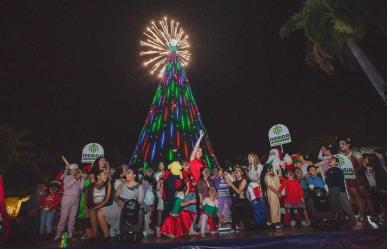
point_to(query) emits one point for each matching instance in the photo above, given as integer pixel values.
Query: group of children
(189, 199)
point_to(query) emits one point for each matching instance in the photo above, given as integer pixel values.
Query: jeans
(339, 202)
(46, 218)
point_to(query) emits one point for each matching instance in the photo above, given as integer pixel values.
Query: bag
(130, 222)
(150, 197)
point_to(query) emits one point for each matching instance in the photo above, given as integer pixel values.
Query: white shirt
(255, 172)
(99, 195)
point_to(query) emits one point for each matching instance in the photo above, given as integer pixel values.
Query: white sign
(91, 151)
(346, 166)
(278, 135)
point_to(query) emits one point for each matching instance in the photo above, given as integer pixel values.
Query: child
(294, 197)
(337, 196)
(34, 209)
(314, 181)
(273, 195)
(49, 204)
(148, 184)
(224, 196)
(179, 222)
(210, 212)
(72, 186)
(256, 200)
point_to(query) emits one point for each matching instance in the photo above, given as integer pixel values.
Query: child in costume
(294, 197)
(179, 221)
(72, 186)
(272, 184)
(208, 218)
(255, 196)
(49, 204)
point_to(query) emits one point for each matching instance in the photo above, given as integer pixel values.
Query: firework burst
(161, 40)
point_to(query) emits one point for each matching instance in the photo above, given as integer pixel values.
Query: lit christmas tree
(173, 123)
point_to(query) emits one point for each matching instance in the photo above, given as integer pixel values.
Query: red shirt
(50, 201)
(293, 191)
(196, 166)
(187, 179)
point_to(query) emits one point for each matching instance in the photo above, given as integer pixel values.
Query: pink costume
(71, 191)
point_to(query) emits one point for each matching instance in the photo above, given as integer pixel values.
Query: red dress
(178, 222)
(293, 193)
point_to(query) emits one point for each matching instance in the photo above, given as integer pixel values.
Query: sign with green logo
(91, 151)
(346, 166)
(279, 135)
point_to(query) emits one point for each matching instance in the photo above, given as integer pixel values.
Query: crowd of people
(188, 198)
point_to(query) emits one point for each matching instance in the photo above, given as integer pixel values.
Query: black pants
(241, 212)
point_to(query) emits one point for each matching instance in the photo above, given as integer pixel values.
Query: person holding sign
(356, 187)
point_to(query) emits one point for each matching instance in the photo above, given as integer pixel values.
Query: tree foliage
(327, 24)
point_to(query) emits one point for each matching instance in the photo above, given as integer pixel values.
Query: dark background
(71, 73)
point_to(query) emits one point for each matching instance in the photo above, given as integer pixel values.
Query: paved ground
(20, 243)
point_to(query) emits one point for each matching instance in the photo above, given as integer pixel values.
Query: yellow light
(160, 39)
(13, 205)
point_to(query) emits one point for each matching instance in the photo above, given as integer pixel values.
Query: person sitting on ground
(314, 180)
(128, 190)
(208, 219)
(97, 196)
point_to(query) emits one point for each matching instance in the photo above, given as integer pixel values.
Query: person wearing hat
(72, 186)
(49, 204)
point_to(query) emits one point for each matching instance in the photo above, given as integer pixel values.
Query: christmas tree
(173, 123)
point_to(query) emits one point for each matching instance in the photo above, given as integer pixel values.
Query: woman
(128, 190)
(241, 210)
(97, 196)
(196, 164)
(159, 194)
(255, 167)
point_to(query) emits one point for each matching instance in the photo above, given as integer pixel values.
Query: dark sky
(70, 72)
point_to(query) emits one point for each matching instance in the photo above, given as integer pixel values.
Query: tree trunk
(369, 69)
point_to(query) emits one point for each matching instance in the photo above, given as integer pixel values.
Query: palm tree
(333, 26)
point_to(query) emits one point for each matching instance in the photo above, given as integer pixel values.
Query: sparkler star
(163, 40)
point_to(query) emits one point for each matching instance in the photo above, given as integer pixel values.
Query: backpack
(150, 197)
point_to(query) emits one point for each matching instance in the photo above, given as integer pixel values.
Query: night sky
(71, 73)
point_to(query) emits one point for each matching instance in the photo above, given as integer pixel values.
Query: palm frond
(293, 24)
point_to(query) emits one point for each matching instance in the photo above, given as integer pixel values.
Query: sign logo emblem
(93, 148)
(277, 130)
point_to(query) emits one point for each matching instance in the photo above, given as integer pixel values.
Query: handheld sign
(91, 151)
(346, 166)
(279, 135)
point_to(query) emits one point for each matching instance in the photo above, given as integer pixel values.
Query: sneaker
(278, 226)
(293, 223)
(305, 223)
